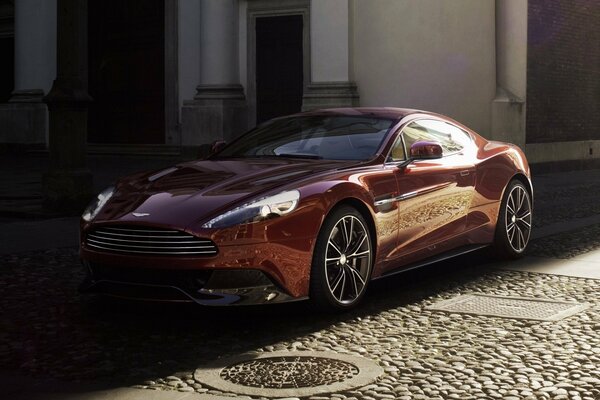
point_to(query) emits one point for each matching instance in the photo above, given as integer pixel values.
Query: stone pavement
(108, 394)
(586, 265)
(55, 343)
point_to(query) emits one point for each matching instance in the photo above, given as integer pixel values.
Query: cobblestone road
(48, 330)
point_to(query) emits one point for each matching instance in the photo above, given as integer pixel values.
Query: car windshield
(313, 137)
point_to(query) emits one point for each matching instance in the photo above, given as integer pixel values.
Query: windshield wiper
(284, 155)
(300, 155)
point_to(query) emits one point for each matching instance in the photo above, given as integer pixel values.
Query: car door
(434, 195)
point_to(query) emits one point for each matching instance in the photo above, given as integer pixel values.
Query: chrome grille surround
(148, 240)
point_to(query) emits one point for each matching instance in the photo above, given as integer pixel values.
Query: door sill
(432, 260)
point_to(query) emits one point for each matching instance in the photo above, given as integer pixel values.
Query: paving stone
(426, 354)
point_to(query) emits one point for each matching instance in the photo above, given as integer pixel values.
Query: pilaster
(330, 95)
(218, 110)
(331, 83)
(24, 119)
(68, 184)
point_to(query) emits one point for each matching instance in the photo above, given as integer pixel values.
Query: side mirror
(423, 150)
(217, 146)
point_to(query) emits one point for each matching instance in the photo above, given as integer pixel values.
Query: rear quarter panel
(496, 165)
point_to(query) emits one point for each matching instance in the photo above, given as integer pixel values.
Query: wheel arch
(364, 210)
(521, 177)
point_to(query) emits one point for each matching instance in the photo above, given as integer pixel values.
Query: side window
(460, 136)
(397, 153)
(451, 138)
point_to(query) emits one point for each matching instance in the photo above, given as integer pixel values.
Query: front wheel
(513, 228)
(342, 261)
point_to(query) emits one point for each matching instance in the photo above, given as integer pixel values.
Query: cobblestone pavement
(47, 330)
(567, 244)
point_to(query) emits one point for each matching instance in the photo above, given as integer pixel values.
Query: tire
(513, 229)
(341, 268)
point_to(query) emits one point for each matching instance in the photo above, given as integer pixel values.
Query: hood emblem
(136, 214)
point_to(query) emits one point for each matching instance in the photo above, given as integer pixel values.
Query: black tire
(513, 229)
(351, 263)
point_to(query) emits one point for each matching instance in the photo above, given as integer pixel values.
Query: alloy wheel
(518, 218)
(347, 259)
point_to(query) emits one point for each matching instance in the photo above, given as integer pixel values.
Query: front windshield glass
(317, 137)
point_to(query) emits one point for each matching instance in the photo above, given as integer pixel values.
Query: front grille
(148, 240)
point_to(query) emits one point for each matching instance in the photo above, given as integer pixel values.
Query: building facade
(178, 74)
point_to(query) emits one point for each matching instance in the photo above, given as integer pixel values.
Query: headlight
(257, 210)
(96, 205)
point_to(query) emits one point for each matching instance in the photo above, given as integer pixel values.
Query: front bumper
(205, 287)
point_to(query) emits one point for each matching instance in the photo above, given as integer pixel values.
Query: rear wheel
(513, 229)
(342, 261)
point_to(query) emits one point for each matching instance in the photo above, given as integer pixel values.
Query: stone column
(331, 63)
(508, 107)
(35, 48)
(68, 184)
(24, 119)
(218, 110)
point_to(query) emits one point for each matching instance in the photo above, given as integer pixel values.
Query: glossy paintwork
(427, 207)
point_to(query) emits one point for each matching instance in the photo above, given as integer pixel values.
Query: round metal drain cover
(283, 373)
(289, 372)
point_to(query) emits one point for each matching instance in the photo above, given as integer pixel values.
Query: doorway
(279, 66)
(7, 70)
(7, 49)
(127, 71)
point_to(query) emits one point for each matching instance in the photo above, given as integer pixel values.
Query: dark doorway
(126, 71)
(7, 67)
(7, 49)
(279, 66)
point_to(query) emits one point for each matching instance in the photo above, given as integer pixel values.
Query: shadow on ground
(49, 330)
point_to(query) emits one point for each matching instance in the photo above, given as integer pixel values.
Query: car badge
(136, 214)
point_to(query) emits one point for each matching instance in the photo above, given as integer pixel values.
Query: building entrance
(127, 71)
(279, 66)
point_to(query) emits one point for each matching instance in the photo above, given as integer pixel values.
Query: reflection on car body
(313, 205)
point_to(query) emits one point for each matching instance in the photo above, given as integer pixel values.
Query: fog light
(271, 296)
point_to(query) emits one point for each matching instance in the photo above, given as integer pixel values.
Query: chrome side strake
(410, 195)
(404, 196)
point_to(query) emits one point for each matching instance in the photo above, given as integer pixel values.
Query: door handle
(464, 173)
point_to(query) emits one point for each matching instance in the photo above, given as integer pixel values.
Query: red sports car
(313, 205)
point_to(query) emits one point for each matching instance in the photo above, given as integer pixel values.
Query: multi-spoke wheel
(514, 221)
(342, 260)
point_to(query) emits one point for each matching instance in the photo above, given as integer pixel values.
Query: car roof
(380, 112)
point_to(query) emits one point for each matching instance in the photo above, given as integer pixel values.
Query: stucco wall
(511, 51)
(428, 54)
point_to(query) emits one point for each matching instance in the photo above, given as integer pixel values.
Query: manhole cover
(510, 307)
(289, 372)
(283, 373)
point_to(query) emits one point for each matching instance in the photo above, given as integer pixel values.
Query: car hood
(188, 193)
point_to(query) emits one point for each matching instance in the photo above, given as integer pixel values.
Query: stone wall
(563, 71)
